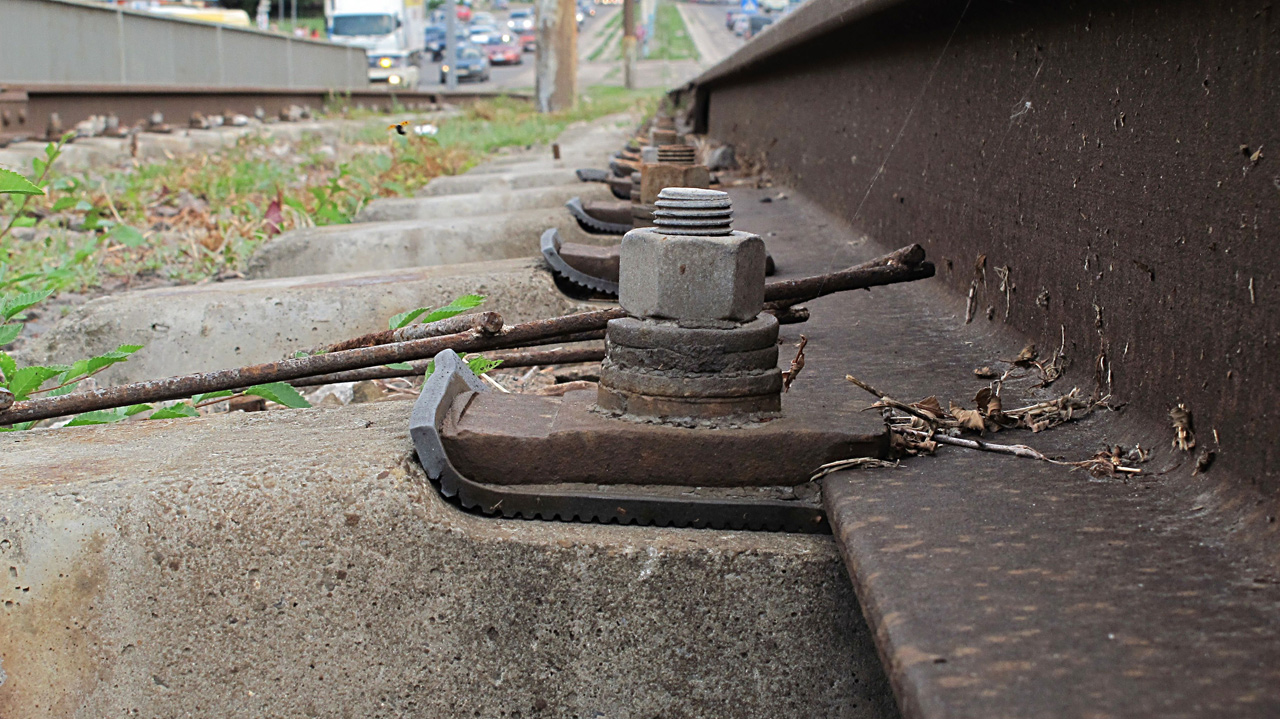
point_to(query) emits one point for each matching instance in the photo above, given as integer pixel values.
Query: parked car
(520, 20)
(503, 50)
(396, 68)
(480, 34)
(464, 13)
(483, 18)
(472, 65)
(529, 40)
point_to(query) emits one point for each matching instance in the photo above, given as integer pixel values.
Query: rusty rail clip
(551, 253)
(452, 381)
(593, 224)
(588, 174)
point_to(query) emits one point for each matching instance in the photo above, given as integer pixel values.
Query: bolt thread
(677, 154)
(693, 211)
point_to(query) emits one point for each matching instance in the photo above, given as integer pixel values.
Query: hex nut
(689, 278)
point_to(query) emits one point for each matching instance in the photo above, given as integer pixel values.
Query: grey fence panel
(244, 57)
(65, 41)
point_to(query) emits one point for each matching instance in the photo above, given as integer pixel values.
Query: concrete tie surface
(480, 204)
(368, 246)
(299, 563)
(230, 324)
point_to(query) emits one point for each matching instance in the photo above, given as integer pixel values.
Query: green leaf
(65, 203)
(211, 395)
(182, 409)
(8, 366)
(399, 365)
(66, 389)
(405, 318)
(280, 393)
(101, 416)
(19, 427)
(127, 236)
(457, 307)
(9, 333)
(14, 184)
(135, 409)
(18, 303)
(85, 367)
(480, 365)
(28, 379)
(25, 222)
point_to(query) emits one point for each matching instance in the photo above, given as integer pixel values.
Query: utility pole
(629, 44)
(451, 44)
(556, 63)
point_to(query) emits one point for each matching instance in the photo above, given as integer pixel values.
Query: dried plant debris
(919, 427)
(985, 372)
(797, 364)
(1027, 356)
(855, 463)
(1183, 437)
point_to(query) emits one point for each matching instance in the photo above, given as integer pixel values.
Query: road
(520, 77)
(706, 27)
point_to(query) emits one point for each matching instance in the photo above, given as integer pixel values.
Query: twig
(1017, 450)
(887, 401)
(494, 382)
(797, 364)
(864, 462)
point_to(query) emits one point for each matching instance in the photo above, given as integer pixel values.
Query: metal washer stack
(696, 345)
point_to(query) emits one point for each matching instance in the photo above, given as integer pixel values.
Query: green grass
(671, 39)
(204, 214)
(607, 44)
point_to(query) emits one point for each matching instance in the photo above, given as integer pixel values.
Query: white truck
(392, 33)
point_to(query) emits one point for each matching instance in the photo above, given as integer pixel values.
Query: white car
(397, 69)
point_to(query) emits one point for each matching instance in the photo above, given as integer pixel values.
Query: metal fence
(58, 41)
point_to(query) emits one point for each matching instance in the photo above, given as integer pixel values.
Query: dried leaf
(274, 216)
(970, 419)
(985, 372)
(1026, 356)
(931, 406)
(1203, 462)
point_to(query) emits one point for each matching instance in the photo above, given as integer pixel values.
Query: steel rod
(903, 265)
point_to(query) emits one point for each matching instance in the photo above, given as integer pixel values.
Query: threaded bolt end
(677, 155)
(693, 211)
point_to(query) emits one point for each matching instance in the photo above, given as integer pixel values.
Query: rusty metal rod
(563, 355)
(903, 265)
(489, 323)
(889, 269)
(183, 386)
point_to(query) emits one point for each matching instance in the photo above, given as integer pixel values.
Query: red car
(503, 50)
(464, 13)
(528, 40)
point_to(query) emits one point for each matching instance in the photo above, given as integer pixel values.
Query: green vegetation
(671, 40)
(193, 217)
